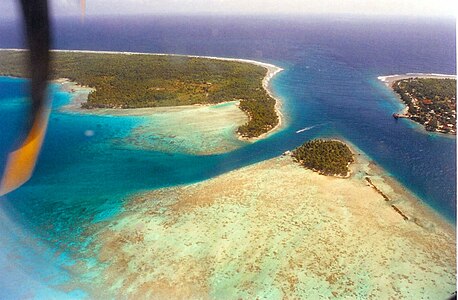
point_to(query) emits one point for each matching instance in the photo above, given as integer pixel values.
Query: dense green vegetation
(431, 102)
(325, 157)
(134, 81)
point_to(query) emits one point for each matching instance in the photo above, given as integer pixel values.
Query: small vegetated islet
(327, 157)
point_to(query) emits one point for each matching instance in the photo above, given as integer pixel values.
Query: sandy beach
(276, 230)
(271, 72)
(390, 79)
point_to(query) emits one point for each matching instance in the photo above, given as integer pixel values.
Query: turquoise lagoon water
(329, 86)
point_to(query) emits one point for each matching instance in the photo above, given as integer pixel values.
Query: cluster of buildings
(436, 114)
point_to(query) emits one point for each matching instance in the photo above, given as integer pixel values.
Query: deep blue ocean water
(330, 82)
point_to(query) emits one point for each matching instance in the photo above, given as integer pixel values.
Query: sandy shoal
(276, 230)
(198, 130)
(191, 129)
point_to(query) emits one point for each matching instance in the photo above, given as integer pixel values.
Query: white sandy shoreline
(272, 70)
(389, 79)
(266, 65)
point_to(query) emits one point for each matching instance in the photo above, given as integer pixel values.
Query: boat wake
(308, 128)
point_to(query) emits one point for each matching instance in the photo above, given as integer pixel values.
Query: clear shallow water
(330, 82)
(178, 130)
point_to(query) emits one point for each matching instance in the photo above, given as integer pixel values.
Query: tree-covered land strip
(324, 156)
(137, 81)
(431, 102)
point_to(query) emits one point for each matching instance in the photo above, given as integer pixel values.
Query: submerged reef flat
(275, 230)
(198, 130)
(190, 129)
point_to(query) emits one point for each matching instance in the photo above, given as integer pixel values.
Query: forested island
(431, 102)
(142, 80)
(327, 157)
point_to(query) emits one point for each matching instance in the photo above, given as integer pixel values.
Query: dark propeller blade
(21, 162)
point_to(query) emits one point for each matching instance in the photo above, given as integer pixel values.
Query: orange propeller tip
(21, 163)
